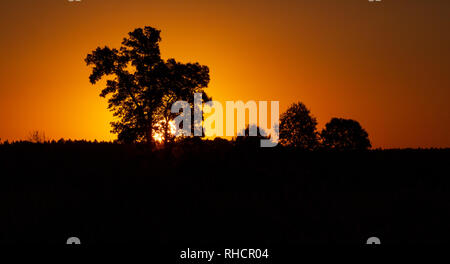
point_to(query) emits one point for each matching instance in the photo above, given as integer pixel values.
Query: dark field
(212, 193)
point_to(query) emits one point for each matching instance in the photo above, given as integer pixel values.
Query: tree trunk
(166, 132)
(149, 136)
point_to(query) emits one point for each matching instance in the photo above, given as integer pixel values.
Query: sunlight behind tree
(158, 134)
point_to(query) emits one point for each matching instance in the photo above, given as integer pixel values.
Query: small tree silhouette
(36, 137)
(345, 134)
(248, 140)
(144, 86)
(298, 128)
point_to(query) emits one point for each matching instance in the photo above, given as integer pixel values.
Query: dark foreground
(215, 194)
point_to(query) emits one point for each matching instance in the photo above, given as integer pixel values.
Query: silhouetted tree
(249, 141)
(143, 86)
(298, 128)
(345, 134)
(36, 137)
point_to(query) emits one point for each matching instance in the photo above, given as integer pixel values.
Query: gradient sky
(385, 64)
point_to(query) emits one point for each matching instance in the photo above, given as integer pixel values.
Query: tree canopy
(345, 134)
(298, 128)
(142, 86)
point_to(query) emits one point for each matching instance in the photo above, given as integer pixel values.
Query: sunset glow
(159, 135)
(224, 131)
(385, 65)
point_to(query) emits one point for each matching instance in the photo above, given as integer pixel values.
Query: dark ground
(213, 194)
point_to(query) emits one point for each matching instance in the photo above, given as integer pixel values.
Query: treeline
(60, 141)
(221, 192)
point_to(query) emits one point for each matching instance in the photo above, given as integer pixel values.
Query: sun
(158, 135)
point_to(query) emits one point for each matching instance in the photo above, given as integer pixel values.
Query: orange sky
(385, 64)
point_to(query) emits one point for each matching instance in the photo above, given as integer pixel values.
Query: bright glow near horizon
(385, 64)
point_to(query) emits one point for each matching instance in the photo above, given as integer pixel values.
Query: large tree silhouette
(298, 128)
(141, 86)
(345, 134)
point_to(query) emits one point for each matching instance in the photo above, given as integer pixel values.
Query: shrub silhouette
(345, 134)
(144, 86)
(36, 137)
(249, 141)
(298, 128)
